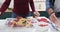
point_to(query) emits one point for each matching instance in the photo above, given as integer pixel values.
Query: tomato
(42, 19)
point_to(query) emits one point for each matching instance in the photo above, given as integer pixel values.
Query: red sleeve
(32, 5)
(5, 6)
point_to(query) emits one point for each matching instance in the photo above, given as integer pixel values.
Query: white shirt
(57, 6)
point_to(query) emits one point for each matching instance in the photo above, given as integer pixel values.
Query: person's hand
(36, 13)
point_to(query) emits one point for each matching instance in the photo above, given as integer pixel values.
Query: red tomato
(42, 25)
(42, 19)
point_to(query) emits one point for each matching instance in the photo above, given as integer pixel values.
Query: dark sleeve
(32, 5)
(5, 6)
(52, 2)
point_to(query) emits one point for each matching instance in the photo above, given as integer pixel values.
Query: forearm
(53, 18)
(32, 5)
(5, 6)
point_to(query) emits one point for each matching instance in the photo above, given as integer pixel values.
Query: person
(55, 4)
(21, 8)
(52, 15)
(53, 18)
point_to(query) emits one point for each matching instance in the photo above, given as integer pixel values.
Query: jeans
(24, 16)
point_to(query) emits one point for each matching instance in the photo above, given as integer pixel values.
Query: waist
(21, 11)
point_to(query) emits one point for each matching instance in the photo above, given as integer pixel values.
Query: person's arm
(4, 6)
(32, 5)
(33, 8)
(53, 18)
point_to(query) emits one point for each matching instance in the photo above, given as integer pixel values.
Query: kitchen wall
(39, 4)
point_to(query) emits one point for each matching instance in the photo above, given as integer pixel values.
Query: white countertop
(5, 28)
